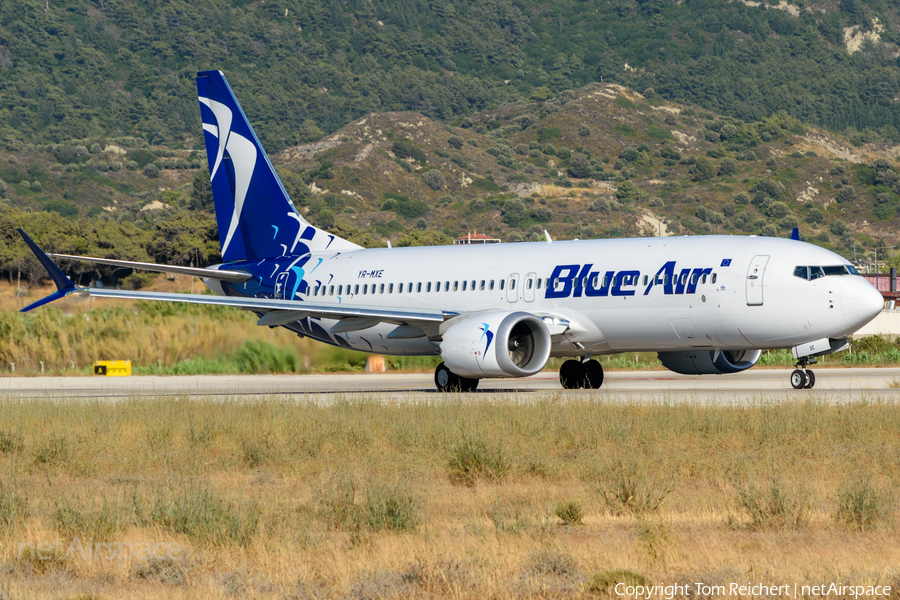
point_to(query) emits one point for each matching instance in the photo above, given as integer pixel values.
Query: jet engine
(709, 362)
(496, 344)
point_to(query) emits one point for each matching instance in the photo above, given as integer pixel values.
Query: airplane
(704, 304)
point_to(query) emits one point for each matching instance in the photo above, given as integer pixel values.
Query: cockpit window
(814, 272)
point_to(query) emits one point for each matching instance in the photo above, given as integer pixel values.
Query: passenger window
(605, 280)
(481, 285)
(491, 284)
(646, 278)
(693, 279)
(419, 287)
(528, 284)
(596, 280)
(356, 289)
(409, 288)
(539, 283)
(512, 284)
(391, 288)
(340, 290)
(502, 284)
(703, 279)
(465, 285)
(331, 291)
(428, 287)
(381, 289)
(455, 286)
(473, 285)
(714, 278)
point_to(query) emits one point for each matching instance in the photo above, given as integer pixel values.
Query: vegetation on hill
(500, 123)
(79, 69)
(600, 161)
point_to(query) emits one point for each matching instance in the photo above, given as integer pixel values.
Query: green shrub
(472, 461)
(628, 488)
(863, 506)
(392, 507)
(773, 506)
(570, 512)
(204, 516)
(606, 581)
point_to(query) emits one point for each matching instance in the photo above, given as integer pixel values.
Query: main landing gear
(581, 374)
(448, 381)
(801, 377)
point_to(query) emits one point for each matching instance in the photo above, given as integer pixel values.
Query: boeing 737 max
(706, 304)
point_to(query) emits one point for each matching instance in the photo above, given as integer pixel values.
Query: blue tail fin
(256, 217)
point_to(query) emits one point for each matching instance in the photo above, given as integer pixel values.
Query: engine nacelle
(496, 344)
(709, 362)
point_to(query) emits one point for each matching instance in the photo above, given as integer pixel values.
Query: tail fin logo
(243, 153)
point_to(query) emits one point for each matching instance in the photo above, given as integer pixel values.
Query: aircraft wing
(277, 311)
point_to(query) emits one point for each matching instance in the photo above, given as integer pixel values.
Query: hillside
(102, 69)
(600, 161)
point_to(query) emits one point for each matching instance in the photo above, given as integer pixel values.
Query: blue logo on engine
(486, 331)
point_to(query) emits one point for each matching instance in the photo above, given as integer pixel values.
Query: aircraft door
(280, 284)
(528, 291)
(755, 280)
(512, 289)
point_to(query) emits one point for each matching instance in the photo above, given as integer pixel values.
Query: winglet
(64, 285)
(795, 234)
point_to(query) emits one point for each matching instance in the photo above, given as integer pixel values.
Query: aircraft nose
(860, 302)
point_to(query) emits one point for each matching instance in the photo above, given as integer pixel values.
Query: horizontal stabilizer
(223, 275)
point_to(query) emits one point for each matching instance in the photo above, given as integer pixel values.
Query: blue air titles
(579, 280)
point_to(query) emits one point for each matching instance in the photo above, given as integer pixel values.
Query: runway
(832, 385)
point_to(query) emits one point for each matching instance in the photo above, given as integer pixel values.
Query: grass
(773, 504)
(864, 506)
(443, 498)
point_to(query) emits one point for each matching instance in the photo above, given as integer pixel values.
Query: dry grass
(359, 499)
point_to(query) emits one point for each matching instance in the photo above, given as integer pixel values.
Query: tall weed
(863, 506)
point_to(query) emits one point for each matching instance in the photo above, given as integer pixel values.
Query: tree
(434, 179)
(580, 166)
(727, 166)
(513, 212)
(703, 169)
(846, 194)
(201, 195)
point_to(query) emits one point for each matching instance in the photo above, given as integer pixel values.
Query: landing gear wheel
(593, 374)
(467, 385)
(445, 380)
(798, 379)
(571, 375)
(810, 380)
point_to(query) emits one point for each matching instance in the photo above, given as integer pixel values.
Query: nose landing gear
(801, 377)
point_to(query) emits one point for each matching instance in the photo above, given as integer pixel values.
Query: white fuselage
(640, 294)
